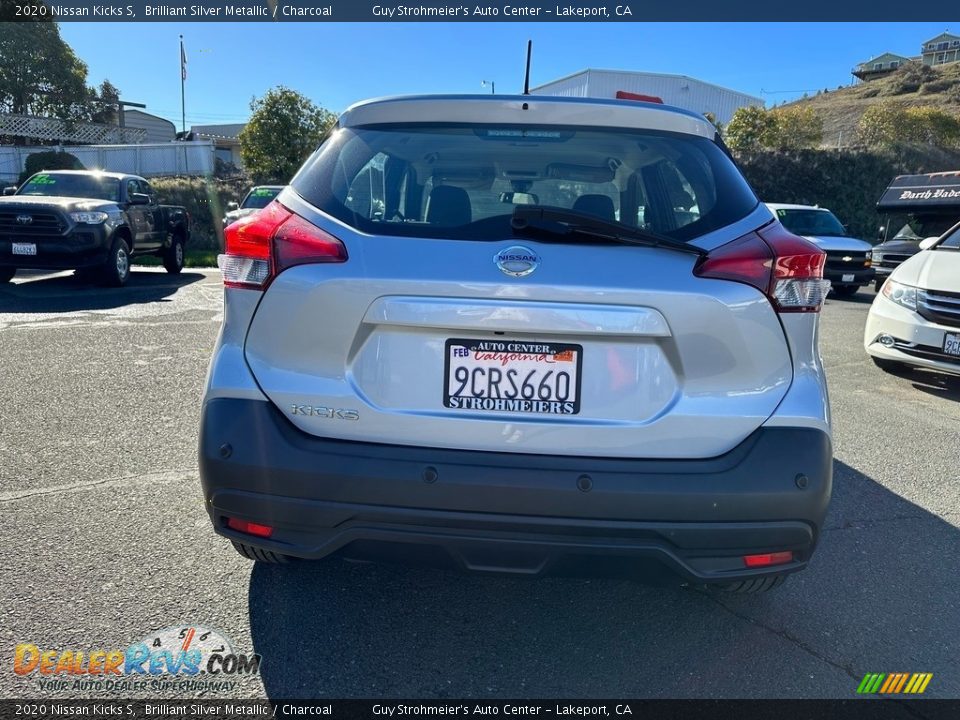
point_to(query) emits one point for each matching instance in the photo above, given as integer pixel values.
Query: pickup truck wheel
(173, 256)
(117, 268)
(6, 274)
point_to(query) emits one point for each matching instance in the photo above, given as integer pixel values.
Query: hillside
(912, 85)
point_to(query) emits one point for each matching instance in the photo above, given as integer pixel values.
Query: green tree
(105, 103)
(795, 127)
(283, 130)
(749, 129)
(40, 74)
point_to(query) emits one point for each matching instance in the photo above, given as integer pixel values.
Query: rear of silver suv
(523, 335)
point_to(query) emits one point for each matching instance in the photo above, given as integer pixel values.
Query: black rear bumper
(516, 513)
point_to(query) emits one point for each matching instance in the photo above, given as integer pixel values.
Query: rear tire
(259, 555)
(173, 256)
(754, 585)
(6, 274)
(116, 270)
(846, 290)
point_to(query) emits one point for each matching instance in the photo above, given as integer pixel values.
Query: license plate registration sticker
(951, 344)
(512, 376)
(24, 248)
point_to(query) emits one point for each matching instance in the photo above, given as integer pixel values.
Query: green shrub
(206, 201)
(48, 160)
(848, 182)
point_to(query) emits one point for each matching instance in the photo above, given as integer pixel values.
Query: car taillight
(261, 246)
(784, 267)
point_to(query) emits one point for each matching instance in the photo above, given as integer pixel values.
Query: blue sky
(338, 64)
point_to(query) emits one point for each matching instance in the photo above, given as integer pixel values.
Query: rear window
(259, 198)
(462, 182)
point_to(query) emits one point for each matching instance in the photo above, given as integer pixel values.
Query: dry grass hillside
(912, 85)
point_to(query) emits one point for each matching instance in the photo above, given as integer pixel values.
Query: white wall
(678, 90)
(147, 159)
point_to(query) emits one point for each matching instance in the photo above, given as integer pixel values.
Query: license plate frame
(535, 406)
(23, 249)
(951, 344)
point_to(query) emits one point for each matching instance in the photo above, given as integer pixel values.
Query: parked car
(915, 318)
(453, 338)
(256, 199)
(849, 260)
(81, 219)
(914, 209)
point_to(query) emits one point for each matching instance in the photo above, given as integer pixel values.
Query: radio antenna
(526, 75)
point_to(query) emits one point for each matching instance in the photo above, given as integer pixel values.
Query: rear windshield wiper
(562, 223)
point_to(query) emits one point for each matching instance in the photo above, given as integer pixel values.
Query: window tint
(811, 222)
(463, 182)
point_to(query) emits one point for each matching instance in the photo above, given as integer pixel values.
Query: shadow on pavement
(44, 293)
(879, 596)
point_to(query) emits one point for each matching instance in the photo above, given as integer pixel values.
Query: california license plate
(847, 278)
(24, 248)
(951, 344)
(512, 376)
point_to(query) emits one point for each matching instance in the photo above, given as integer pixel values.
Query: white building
(158, 129)
(679, 90)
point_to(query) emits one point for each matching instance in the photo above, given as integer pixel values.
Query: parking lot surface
(106, 539)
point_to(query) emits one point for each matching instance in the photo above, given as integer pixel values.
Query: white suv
(915, 318)
(521, 334)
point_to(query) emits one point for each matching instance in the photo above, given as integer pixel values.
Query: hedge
(206, 201)
(848, 182)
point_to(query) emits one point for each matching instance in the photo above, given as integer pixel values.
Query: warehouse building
(679, 90)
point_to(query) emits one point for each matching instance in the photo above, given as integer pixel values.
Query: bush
(848, 182)
(782, 128)
(206, 201)
(48, 160)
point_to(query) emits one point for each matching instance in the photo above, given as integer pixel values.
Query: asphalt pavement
(106, 541)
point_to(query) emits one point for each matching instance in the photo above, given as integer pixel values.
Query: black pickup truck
(88, 220)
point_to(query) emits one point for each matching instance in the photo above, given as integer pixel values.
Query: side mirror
(139, 199)
(11, 190)
(928, 243)
(881, 232)
(232, 205)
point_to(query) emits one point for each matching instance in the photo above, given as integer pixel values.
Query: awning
(908, 193)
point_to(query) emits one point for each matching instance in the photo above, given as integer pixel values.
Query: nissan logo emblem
(517, 261)
(24, 219)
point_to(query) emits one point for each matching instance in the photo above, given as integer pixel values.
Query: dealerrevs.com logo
(180, 658)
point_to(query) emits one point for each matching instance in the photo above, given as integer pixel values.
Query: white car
(915, 318)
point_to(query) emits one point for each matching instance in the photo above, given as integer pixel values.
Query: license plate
(951, 344)
(24, 248)
(848, 278)
(512, 376)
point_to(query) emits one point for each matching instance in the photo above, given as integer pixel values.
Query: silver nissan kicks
(521, 335)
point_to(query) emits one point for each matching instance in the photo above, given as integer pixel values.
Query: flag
(183, 61)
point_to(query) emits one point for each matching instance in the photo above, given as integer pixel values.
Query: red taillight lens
(767, 559)
(786, 268)
(261, 246)
(249, 528)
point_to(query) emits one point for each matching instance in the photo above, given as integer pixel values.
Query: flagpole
(183, 102)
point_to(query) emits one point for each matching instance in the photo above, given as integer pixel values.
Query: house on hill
(941, 50)
(879, 66)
